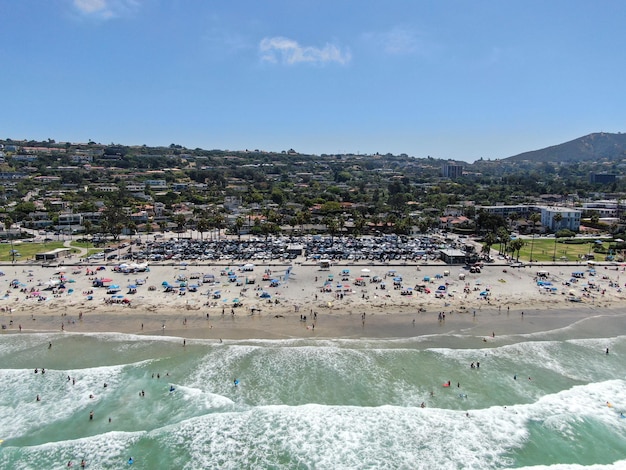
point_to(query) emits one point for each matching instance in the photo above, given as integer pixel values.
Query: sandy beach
(346, 300)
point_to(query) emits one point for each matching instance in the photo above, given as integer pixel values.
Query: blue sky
(449, 79)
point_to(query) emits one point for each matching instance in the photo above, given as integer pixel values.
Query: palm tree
(359, 225)
(503, 236)
(489, 240)
(180, 222)
(239, 222)
(219, 223)
(534, 218)
(88, 226)
(331, 225)
(517, 245)
(556, 222)
(202, 226)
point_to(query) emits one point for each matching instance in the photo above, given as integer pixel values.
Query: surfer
(607, 351)
(130, 461)
(91, 415)
(83, 463)
(38, 399)
(236, 382)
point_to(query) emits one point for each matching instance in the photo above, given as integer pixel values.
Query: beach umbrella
(345, 271)
(426, 279)
(132, 286)
(236, 300)
(114, 286)
(441, 288)
(397, 279)
(265, 295)
(365, 270)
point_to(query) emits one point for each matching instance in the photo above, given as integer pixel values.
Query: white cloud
(287, 51)
(398, 41)
(105, 9)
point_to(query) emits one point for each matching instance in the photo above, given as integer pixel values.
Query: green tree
(202, 226)
(504, 238)
(331, 225)
(534, 218)
(181, 223)
(516, 245)
(239, 223)
(488, 241)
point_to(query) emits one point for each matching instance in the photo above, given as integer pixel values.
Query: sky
(453, 79)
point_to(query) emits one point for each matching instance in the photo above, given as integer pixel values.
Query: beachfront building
(570, 217)
(451, 256)
(53, 255)
(604, 208)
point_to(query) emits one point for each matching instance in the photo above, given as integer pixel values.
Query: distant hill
(591, 147)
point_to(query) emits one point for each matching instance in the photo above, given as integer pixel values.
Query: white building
(570, 218)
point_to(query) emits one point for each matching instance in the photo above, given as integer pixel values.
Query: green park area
(564, 249)
(21, 251)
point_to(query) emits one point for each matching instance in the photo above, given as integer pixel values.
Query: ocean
(538, 400)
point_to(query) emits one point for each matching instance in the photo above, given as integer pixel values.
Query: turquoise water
(315, 404)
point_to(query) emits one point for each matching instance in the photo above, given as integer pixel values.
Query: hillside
(591, 147)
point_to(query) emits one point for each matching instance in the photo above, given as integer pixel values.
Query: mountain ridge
(595, 146)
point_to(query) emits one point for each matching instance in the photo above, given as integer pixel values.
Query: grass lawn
(27, 250)
(543, 250)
